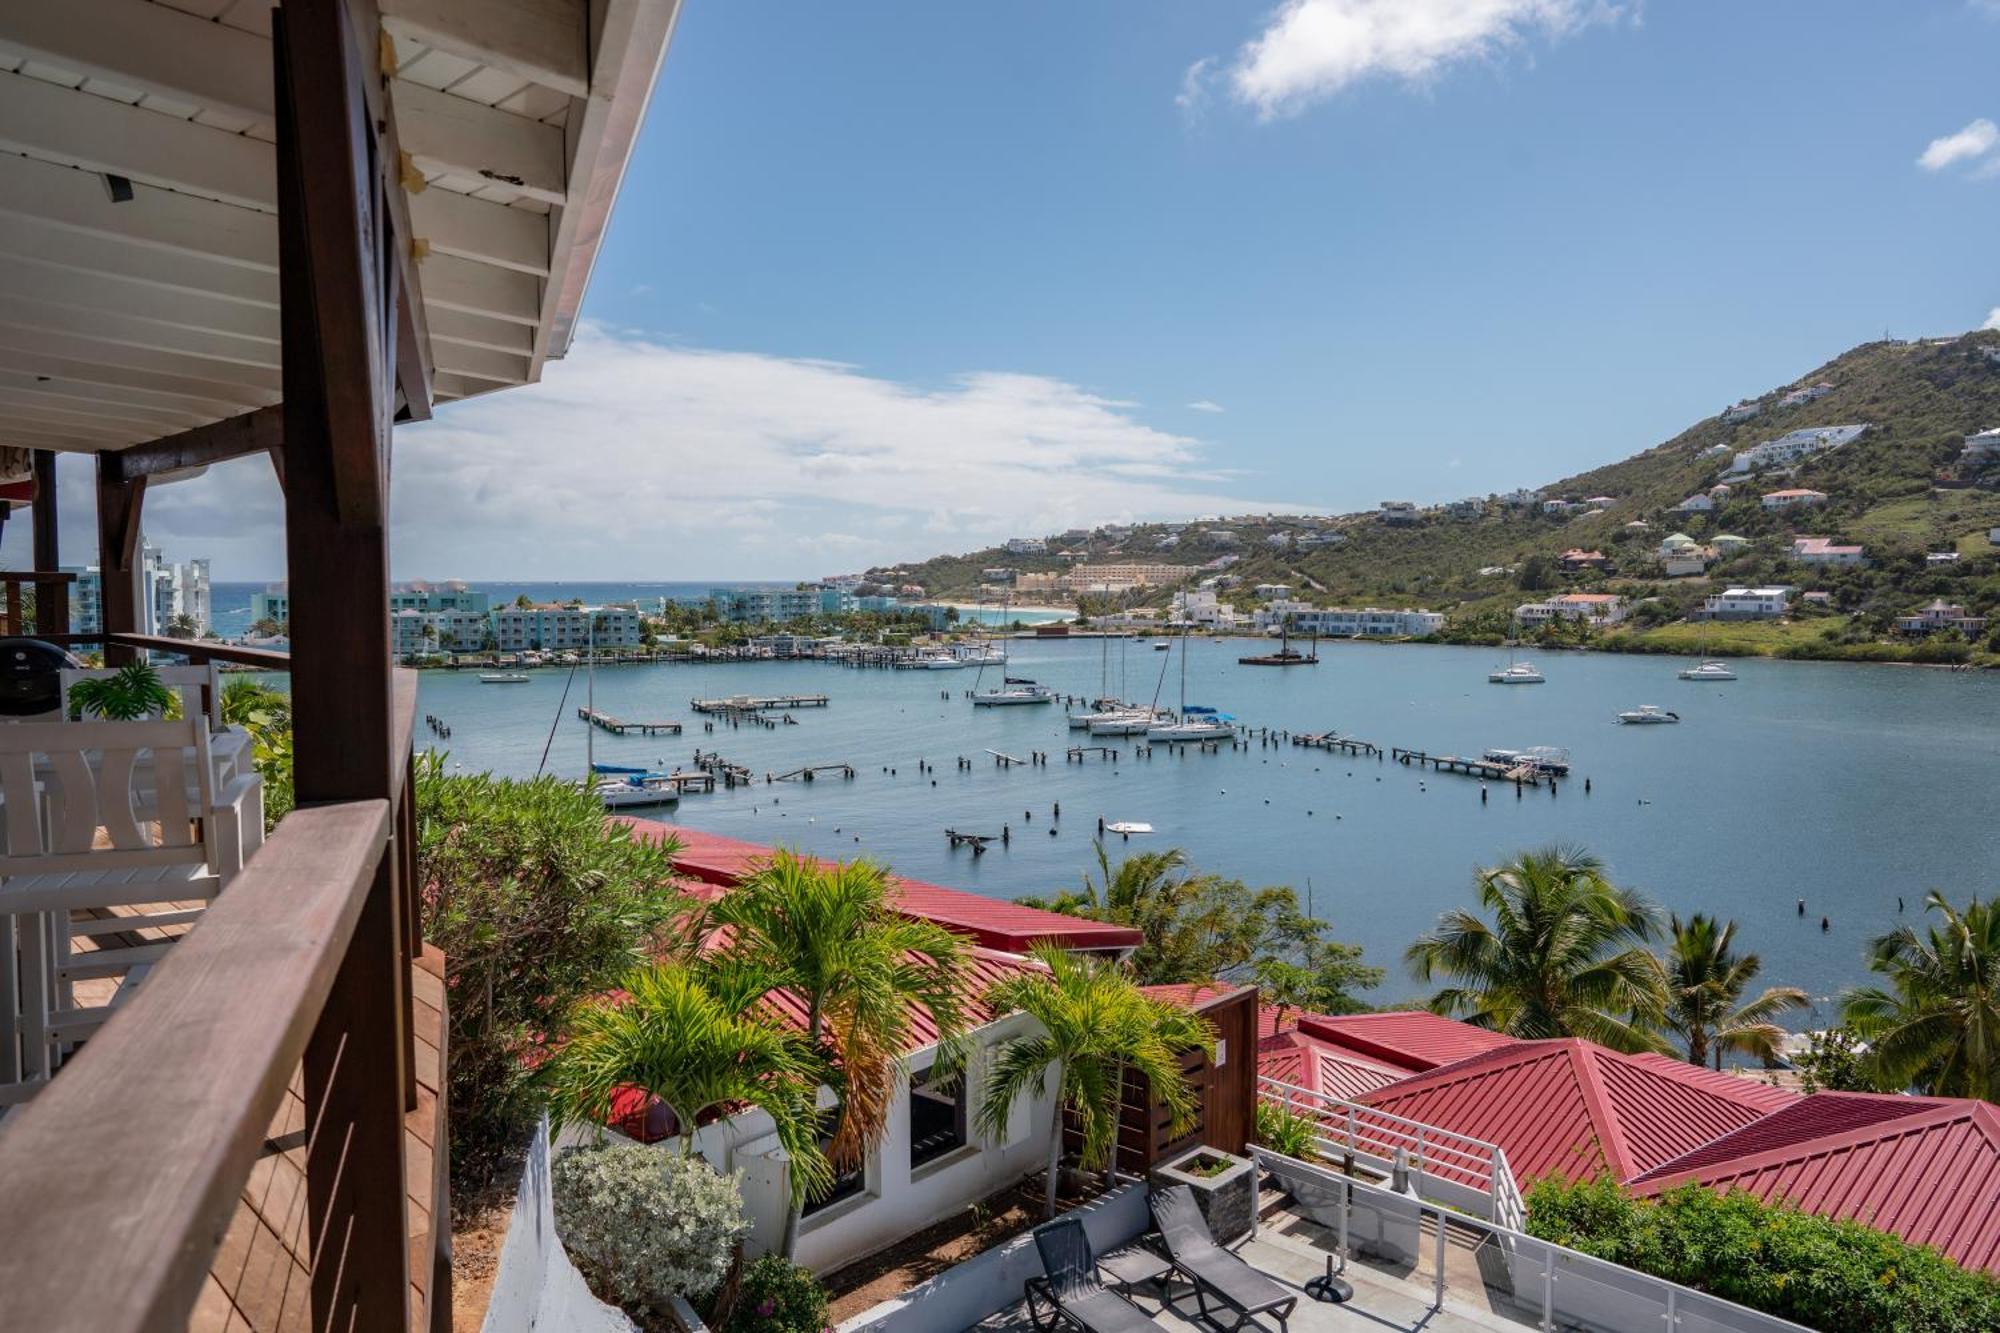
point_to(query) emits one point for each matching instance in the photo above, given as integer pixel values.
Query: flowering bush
(777, 1296)
(644, 1224)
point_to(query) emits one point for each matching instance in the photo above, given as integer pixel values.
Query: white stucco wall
(896, 1201)
(535, 1287)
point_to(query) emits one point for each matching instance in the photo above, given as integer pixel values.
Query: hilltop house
(1271, 591)
(1694, 504)
(1741, 411)
(1398, 513)
(1728, 543)
(1805, 394)
(1824, 551)
(1596, 609)
(1469, 508)
(1981, 449)
(1792, 498)
(1682, 556)
(1941, 615)
(1941, 559)
(1027, 546)
(1521, 499)
(1745, 604)
(1794, 445)
(1577, 558)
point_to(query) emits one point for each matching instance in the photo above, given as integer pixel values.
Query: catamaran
(1708, 671)
(1516, 673)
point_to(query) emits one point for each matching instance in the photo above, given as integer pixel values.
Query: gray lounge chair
(1070, 1294)
(1212, 1270)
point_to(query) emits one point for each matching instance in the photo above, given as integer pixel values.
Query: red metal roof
(1925, 1168)
(1321, 1067)
(1764, 1096)
(1571, 1108)
(1416, 1039)
(714, 859)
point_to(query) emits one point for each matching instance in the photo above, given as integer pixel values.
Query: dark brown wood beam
(336, 286)
(254, 432)
(119, 505)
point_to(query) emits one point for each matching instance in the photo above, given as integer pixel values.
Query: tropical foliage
(536, 904)
(778, 1296)
(1563, 954)
(1816, 1271)
(826, 934)
(133, 692)
(1706, 979)
(1287, 1132)
(1095, 1025)
(645, 1226)
(1935, 1025)
(1324, 984)
(1199, 926)
(265, 713)
(679, 1036)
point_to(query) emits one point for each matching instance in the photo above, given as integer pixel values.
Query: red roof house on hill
(1925, 1168)
(1575, 1109)
(710, 858)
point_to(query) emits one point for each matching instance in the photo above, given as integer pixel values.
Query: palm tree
(1706, 980)
(1562, 957)
(827, 935)
(1094, 1025)
(1938, 1027)
(697, 1046)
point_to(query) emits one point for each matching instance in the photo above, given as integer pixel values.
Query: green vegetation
(133, 693)
(1095, 1025)
(1822, 1273)
(1563, 956)
(1706, 979)
(777, 1296)
(611, 1201)
(537, 904)
(827, 935)
(696, 1041)
(1936, 1024)
(265, 713)
(1199, 926)
(1287, 1132)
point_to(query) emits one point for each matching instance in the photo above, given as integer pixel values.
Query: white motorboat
(1516, 673)
(1130, 723)
(1128, 827)
(1708, 671)
(503, 678)
(1648, 713)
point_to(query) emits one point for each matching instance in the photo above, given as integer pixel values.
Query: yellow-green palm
(1706, 979)
(1094, 1024)
(1937, 1025)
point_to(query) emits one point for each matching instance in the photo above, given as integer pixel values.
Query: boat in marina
(1708, 671)
(1286, 655)
(503, 678)
(1648, 713)
(1129, 722)
(1128, 827)
(1548, 760)
(1516, 673)
(1195, 725)
(619, 794)
(1013, 690)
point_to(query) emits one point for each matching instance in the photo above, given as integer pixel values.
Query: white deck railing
(1381, 1139)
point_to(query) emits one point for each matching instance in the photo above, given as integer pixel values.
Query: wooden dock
(810, 772)
(1332, 741)
(1076, 754)
(976, 841)
(1521, 774)
(618, 726)
(759, 703)
(1005, 760)
(732, 775)
(683, 781)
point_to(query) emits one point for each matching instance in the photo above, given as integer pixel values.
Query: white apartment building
(519, 629)
(1794, 445)
(1118, 577)
(1597, 609)
(1366, 622)
(1281, 611)
(1746, 604)
(1202, 606)
(165, 592)
(1027, 546)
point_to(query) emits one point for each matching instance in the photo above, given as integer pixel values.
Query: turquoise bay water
(1845, 785)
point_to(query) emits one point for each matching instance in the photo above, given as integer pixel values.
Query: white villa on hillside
(1941, 615)
(1981, 448)
(1366, 622)
(1399, 513)
(1596, 609)
(1745, 604)
(1805, 394)
(1741, 411)
(1792, 498)
(1824, 551)
(1794, 445)
(1694, 504)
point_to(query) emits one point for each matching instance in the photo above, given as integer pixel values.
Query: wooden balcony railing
(123, 1179)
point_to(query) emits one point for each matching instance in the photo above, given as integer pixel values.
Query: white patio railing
(1384, 1141)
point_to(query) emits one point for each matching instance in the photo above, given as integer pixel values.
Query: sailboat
(619, 790)
(1515, 673)
(1285, 656)
(1012, 690)
(1193, 723)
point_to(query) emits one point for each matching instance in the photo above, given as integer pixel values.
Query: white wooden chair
(199, 689)
(100, 816)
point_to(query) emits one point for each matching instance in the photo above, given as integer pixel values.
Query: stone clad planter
(1227, 1198)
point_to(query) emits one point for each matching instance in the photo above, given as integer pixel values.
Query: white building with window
(1794, 445)
(1027, 546)
(1369, 622)
(419, 633)
(1598, 609)
(519, 629)
(1745, 604)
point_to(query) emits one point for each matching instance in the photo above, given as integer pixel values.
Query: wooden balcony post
(51, 599)
(337, 298)
(119, 502)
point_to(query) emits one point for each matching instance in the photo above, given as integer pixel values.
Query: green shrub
(1820, 1272)
(536, 904)
(778, 1296)
(645, 1224)
(1287, 1132)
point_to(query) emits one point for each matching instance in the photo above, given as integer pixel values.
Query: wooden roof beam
(233, 437)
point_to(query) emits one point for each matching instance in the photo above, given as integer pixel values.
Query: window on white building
(937, 1117)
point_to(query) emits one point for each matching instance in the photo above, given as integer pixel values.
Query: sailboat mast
(590, 696)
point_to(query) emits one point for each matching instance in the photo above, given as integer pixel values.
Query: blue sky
(888, 279)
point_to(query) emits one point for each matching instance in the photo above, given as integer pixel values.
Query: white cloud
(1974, 141)
(1312, 49)
(1993, 319)
(1193, 96)
(1204, 405)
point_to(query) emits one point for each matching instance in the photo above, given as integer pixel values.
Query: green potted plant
(135, 692)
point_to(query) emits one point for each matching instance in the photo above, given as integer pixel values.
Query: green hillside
(1897, 489)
